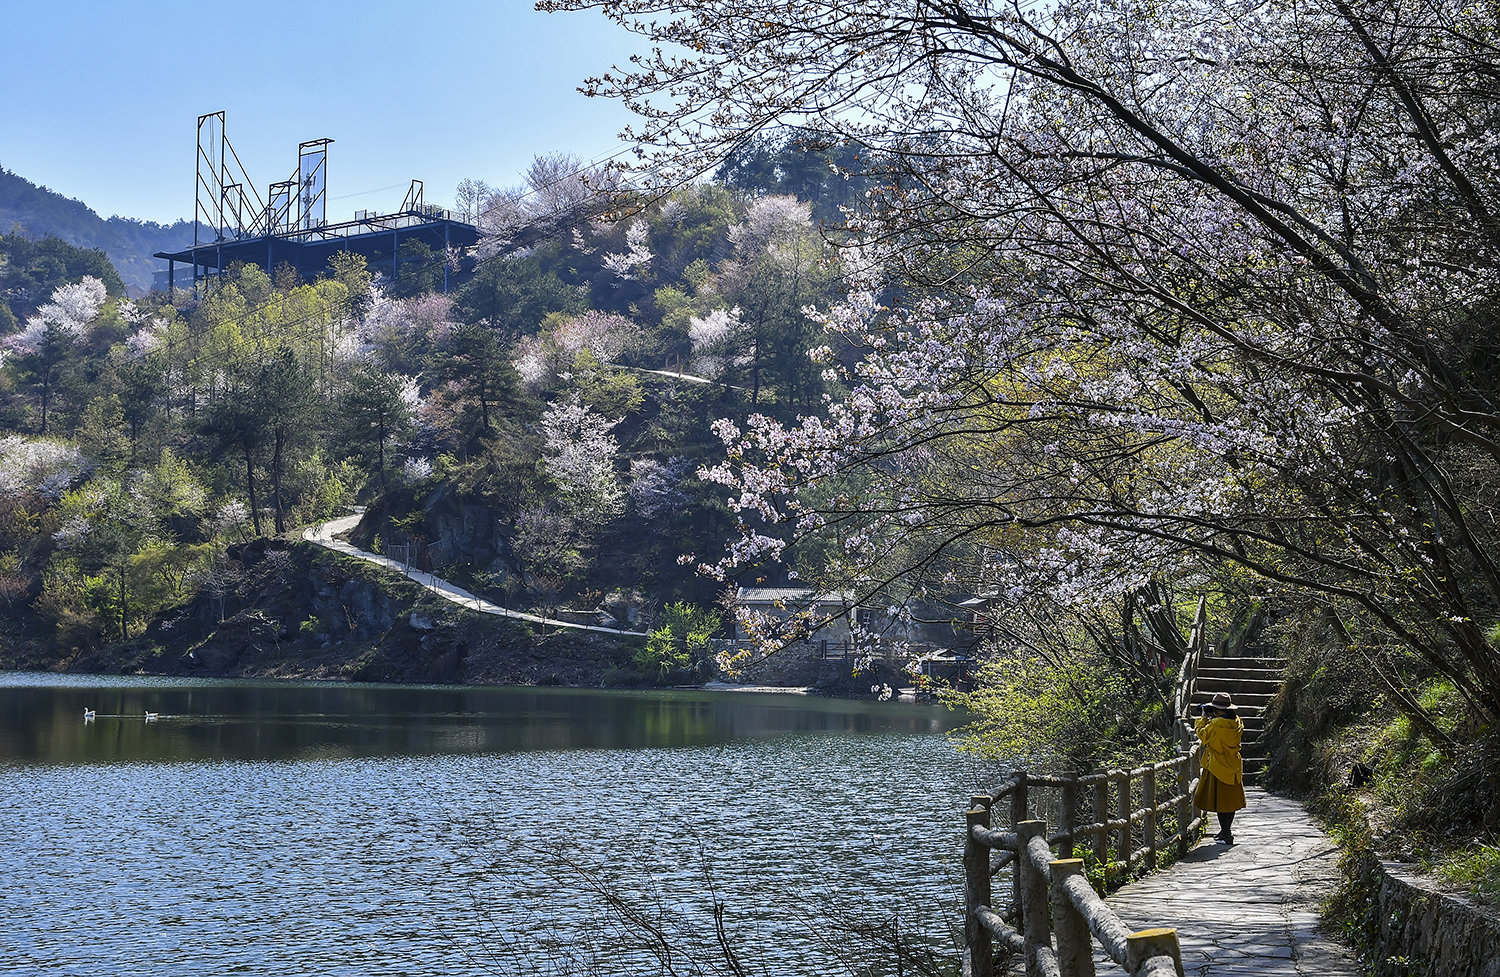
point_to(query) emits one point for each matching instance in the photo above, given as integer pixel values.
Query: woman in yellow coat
(1221, 788)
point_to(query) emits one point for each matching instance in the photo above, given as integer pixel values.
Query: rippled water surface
(264, 828)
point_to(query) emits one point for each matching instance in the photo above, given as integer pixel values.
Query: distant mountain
(129, 243)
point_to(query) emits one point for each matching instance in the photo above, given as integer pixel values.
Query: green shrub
(1073, 714)
(680, 643)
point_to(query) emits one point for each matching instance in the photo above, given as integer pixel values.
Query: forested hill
(129, 243)
(534, 435)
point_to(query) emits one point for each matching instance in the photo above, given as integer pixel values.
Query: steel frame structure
(312, 183)
(293, 215)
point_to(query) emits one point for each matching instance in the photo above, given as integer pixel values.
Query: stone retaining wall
(796, 665)
(802, 665)
(1423, 931)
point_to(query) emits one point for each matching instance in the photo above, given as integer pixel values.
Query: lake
(318, 828)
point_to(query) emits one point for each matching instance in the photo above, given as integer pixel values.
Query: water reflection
(265, 828)
(42, 719)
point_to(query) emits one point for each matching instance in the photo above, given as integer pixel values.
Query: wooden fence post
(1101, 814)
(1075, 944)
(1141, 946)
(1124, 809)
(1184, 805)
(1069, 816)
(1148, 799)
(1035, 905)
(979, 954)
(1019, 811)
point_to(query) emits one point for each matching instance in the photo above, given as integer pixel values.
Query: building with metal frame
(290, 225)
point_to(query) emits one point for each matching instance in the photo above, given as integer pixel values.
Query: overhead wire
(578, 220)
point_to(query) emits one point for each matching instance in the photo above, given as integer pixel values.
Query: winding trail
(1250, 908)
(322, 535)
(1245, 910)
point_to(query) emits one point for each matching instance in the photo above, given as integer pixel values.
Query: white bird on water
(88, 714)
(151, 717)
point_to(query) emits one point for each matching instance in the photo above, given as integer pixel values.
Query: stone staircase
(1251, 682)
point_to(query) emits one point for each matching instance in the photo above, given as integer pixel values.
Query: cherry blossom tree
(399, 332)
(781, 266)
(72, 308)
(718, 340)
(46, 344)
(632, 263)
(560, 192)
(654, 487)
(607, 337)
(39, 465)
(1200, 289)
(579, 455)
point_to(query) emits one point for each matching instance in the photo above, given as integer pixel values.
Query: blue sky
(100, 100)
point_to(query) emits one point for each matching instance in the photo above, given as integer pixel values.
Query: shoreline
(716, 685)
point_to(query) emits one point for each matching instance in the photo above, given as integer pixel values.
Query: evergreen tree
(377, 412)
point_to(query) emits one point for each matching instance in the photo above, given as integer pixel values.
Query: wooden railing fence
(1120, 817)
(1187, 676)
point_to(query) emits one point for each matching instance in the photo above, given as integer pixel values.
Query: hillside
(534, 436)
(129, 243)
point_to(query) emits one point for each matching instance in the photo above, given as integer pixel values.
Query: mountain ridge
(39, 211)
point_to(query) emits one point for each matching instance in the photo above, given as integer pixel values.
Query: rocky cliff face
(292, 610)
(452, 529)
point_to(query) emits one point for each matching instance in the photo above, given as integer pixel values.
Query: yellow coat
(1221, 747)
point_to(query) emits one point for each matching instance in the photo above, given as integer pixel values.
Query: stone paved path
(1250, 908)
(322, 534)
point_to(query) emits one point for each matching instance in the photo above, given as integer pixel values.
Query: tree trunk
(755, 377)
(250, 487)
(124, 609)
(380, 452)
(276, 454)
(46, 396)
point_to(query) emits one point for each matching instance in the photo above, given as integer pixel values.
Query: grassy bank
(1393, 784)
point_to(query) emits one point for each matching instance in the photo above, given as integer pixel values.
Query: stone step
(1238, 687)
(1256, 676)
(1277, 664)
(1254, 700)
(1255, 723)
(1234, 689)
(1242, 664)
(1252, 683)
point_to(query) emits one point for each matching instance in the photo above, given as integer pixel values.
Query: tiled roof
(771, 595)
(791, 595)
